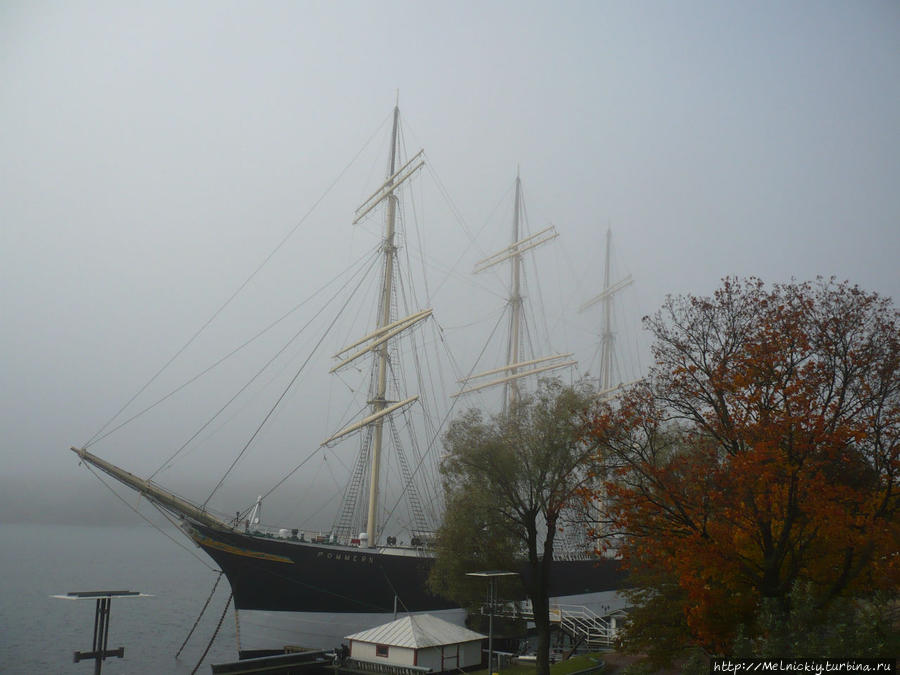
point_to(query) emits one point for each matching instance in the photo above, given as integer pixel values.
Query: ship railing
(292, 534)
(421, 546)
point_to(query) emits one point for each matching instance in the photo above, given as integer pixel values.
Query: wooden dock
(291, 663)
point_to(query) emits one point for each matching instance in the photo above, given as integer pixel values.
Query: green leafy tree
(473, 538)
(513, 479)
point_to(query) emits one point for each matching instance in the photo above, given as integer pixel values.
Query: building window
(381, 650)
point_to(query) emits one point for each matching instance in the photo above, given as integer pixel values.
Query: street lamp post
(491, 576)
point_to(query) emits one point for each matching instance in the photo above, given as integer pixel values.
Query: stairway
(584, 624)
(581, 623)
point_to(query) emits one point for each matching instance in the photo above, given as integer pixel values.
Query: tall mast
(515, 302)
(515, 369)
(379, 402)
(607, 336)
(378, 343)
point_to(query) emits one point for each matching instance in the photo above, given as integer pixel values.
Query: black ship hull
(285, 575)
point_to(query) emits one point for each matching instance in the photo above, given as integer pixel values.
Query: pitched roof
(417, 631)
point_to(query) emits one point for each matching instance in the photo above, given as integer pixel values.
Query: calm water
(38, 634)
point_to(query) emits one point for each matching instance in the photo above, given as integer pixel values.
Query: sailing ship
(290, 587)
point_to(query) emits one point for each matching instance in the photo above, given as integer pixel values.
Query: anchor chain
(213, 638)
(202, 611)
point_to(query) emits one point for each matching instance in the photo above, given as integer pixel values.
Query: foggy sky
(154, 153)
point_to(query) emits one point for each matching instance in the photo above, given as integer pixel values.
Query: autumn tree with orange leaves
(761, 453)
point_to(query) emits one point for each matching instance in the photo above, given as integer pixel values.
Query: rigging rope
(472, 239)
(443, 422)
(240, 288)
(260, 371)
(196, 377)
(145, 519)
(285, 392)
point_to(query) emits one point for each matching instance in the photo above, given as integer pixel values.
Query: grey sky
(153, 153)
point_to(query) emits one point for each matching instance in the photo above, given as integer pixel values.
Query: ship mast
(607, 336)
(515, 369)
(384, 318)
(606, 340)
(378, 341)
(515, 306)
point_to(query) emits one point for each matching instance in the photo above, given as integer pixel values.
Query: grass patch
(576, 663)
(573, 665)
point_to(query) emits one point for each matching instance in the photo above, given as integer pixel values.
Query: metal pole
(106, 612)
(491, 628)
(95, 644)
(491, 576)
(101, 633)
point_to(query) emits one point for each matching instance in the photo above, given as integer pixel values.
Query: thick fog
(155, 154)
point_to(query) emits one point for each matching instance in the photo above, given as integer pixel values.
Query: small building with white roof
(420, 640)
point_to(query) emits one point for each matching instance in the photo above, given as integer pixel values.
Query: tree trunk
(540, 596)
(541, 605)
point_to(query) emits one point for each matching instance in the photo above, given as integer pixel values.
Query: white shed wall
(445, 658)
(430, 657)
(470, 654)
(365, 651)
